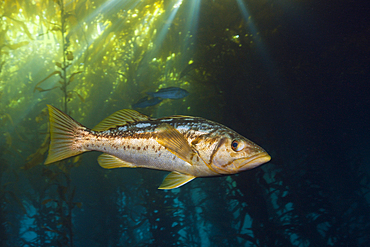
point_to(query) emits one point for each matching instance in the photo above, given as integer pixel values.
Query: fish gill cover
(289, 75)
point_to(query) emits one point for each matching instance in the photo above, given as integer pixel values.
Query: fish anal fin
(175, 180)
(108, 161)
(119, 118)
(175, 142)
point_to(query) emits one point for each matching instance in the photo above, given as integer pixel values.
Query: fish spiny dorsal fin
(120, 118)
(175, 142)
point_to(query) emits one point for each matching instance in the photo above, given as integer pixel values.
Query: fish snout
(251, 162)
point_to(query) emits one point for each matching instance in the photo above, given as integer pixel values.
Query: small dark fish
(170, 93)
(146, 101)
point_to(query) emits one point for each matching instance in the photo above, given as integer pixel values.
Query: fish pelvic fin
(108, 161)
(175, 180)
(64, 132)
(119, 118)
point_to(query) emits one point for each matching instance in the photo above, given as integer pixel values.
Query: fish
(188, 147)
(146, 101)
(170, 93)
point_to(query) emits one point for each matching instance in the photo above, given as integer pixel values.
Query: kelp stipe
(56, 203)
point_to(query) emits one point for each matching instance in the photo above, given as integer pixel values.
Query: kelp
(39, 156)
(63, 203)
(16, 46)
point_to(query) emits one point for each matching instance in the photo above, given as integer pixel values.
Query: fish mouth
(251, 162)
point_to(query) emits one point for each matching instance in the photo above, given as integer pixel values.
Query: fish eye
(237, 146)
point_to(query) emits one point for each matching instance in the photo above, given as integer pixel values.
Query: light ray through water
(253, 29)
(190, 30)
(164, 30)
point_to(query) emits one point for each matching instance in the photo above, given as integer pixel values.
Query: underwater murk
(250, 116)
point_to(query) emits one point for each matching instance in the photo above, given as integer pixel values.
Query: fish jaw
(243, 164)
(250, 162)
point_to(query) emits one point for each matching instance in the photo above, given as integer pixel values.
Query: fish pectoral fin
(108, 161)
(119, 118)
(175, 180)
(175, 142)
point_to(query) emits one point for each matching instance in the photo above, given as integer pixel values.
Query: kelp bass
(189, 147)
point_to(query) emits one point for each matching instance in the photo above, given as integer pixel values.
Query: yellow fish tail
(64, 132)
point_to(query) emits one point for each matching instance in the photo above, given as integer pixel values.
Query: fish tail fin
(64, 135)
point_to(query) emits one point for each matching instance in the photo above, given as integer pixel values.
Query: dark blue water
(293, 76)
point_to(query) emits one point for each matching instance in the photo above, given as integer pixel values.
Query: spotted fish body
(189, 147)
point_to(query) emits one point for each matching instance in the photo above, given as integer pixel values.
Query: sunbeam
(252, 28)
(262, 49)
(190, 30)
(169, 17)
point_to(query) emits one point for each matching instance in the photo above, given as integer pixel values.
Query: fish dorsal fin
(119, 118)
(108, 161)
(175, 180)
(175, 142)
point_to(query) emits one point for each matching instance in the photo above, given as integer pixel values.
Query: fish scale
(188, 147)
(130, 142)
